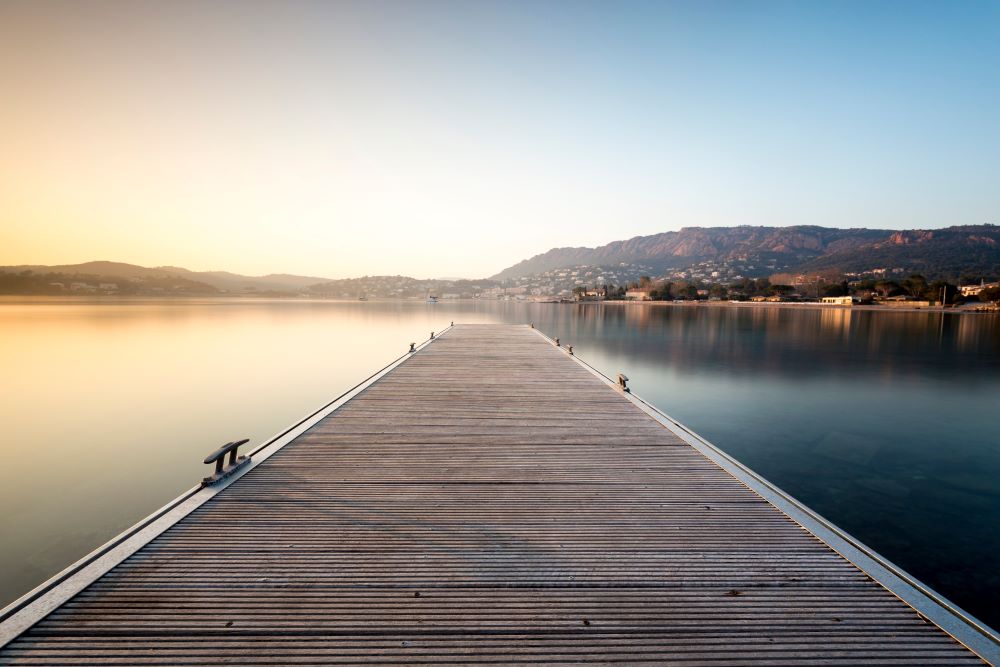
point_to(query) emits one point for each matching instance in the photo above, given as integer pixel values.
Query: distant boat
(431, 298)
(362, 298)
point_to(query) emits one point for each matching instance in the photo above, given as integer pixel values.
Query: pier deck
(489, 499)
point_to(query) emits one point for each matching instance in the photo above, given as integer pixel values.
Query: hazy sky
(443, 139)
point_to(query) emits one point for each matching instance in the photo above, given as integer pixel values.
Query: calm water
(886, 423)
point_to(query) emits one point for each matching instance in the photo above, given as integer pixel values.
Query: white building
(974, 290)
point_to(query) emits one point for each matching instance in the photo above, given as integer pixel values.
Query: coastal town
(704, 282)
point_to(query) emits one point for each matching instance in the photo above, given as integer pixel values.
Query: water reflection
(805, 342)
(883, 422)
(880, 421)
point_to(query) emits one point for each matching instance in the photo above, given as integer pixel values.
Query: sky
(435, 139)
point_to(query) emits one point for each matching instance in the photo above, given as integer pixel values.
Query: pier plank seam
(487, 500)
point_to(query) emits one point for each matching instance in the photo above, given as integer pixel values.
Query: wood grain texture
(489, 500)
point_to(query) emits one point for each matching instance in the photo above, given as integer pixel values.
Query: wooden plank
(486, 500)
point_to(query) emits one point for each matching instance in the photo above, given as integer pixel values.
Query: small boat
(431, 298)
(362, 298)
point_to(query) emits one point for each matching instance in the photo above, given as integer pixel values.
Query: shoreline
(25, 299)
(809, 305)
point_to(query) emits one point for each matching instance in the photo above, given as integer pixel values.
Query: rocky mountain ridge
(952, 250)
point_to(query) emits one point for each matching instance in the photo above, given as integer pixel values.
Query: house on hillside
(974, 290)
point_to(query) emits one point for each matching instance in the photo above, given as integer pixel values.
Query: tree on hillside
(915, 285)
(760, 286)
(835, 289)
(887, 288)
(939, 287)
(683, 290)
(990, 294)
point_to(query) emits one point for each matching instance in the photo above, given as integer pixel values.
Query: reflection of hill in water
(789, 342)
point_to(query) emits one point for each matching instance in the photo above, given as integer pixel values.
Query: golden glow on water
(109, 408)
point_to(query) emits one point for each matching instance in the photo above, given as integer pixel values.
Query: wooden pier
(488, 499)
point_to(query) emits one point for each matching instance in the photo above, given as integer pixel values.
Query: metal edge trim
(952, 619)
(36, 604)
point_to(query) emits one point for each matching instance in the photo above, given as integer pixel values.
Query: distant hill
(217, 280)
(117, 278)
(234, 282)
(940, 252)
